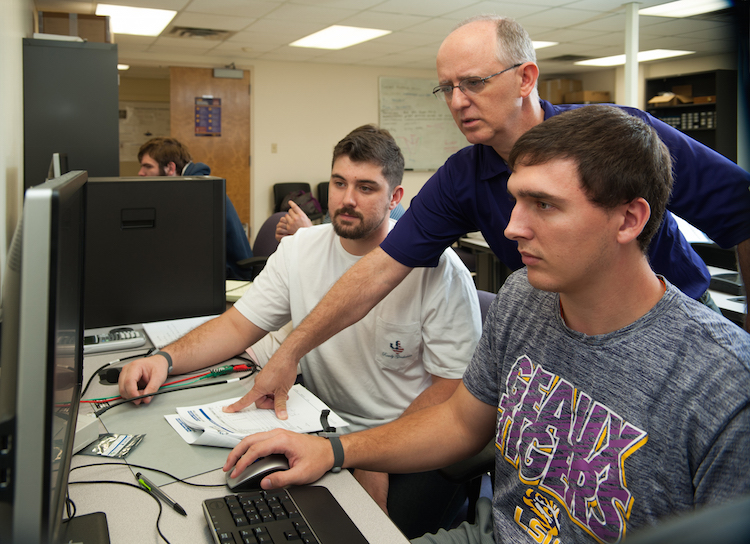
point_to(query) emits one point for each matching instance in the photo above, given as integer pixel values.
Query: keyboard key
(226, 538)
(248, 537)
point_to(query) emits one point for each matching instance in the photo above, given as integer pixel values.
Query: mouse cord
(143, 467)
(158, 502)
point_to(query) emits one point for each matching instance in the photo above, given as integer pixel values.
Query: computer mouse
(250, 478)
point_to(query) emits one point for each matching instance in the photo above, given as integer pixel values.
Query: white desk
(732, 306)
(131, 514)
(491, 274)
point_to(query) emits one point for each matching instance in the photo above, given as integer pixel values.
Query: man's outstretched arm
(213, 342)
(349, 300)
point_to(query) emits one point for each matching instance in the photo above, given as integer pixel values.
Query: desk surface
(131, 514)
(732, 307)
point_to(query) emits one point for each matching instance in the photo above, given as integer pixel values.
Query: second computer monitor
(155, 249)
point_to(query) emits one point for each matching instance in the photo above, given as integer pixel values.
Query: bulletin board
(421, 124)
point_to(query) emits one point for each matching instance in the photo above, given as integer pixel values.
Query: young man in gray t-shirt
(614, 400)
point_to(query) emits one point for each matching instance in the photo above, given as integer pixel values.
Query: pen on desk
(158, 493)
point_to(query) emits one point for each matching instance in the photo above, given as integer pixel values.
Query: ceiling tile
(216, 22)
(559, 17)
(513, 11)
(316, 14)
(383, 21)
(427, 8)
(234, 8)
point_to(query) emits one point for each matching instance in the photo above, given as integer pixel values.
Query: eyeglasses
(469, 86)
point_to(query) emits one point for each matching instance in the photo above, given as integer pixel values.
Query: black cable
(158, 502)
(70, 506)
(100, 411)
(165, 473)
(131, 465)
(96, 372)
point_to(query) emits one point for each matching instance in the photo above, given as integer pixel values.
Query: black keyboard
(298, 515)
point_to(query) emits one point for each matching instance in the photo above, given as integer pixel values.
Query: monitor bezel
(39, 490)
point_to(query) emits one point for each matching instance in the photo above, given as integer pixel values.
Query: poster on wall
(207, 116)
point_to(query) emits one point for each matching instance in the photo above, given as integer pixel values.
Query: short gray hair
(514, 45)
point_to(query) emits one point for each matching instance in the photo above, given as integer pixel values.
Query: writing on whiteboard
(421, 124)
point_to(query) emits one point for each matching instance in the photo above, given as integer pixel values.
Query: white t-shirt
(371, 372)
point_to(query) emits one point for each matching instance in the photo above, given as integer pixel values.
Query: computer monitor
(155, 249)
(58, 165)
(41, 359)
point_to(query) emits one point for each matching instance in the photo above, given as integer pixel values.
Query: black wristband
(167, 356)
(338, 453)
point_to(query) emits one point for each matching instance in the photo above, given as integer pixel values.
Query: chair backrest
(323, 194)
(280, 190)
(265, 242)
(485, 299)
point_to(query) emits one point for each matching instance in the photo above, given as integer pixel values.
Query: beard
(354, 232)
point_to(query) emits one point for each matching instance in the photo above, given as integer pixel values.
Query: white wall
(17, 24)
(305, 109)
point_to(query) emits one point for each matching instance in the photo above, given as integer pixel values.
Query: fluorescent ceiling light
(123, 67)
(686, 8)
(643, 56)
(138, 21)
(339, 37)
(542, 45)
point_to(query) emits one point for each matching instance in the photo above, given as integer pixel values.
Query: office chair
(265, 244)
(280, 190)
(323, 195)
(727, 523)
(472, 469)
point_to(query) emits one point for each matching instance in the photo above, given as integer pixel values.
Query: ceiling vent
(567, 58)
(204, 33)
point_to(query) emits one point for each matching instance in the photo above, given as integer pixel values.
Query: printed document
(208, 425)
(163, 333)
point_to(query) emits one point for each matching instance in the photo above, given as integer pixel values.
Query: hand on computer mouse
(309, 457)
(253, 474)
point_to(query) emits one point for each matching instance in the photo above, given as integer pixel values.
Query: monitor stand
(87, 529)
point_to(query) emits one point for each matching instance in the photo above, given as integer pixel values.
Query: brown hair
(619, 157)
(164, 151)
(369, 143)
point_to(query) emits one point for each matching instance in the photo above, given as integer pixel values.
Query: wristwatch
(338, 453)
(167, 356)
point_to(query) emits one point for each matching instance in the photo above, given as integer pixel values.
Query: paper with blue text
(208, 425)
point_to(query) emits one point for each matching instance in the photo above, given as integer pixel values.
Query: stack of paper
(208, 425)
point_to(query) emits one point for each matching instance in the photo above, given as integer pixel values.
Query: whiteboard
(421, 124)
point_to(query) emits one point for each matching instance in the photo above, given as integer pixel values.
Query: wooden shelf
(721, 114)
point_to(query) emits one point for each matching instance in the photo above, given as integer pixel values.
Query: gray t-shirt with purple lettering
(598, 436)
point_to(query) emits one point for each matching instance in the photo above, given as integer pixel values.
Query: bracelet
(167, 356)
(338, 453)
